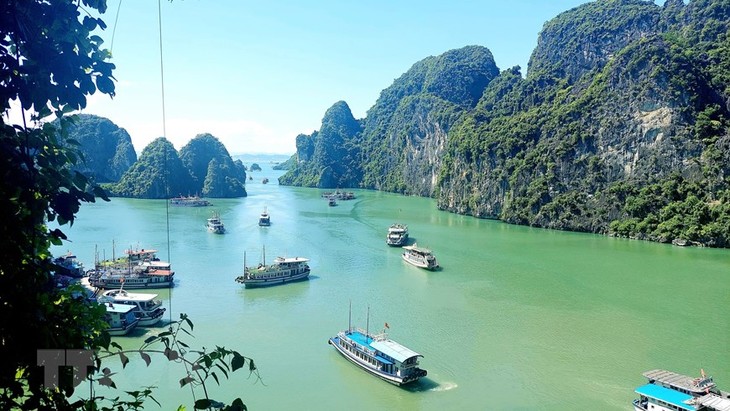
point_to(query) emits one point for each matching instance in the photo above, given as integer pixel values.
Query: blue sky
(257, 74)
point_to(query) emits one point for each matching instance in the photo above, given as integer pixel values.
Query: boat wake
(446, 386)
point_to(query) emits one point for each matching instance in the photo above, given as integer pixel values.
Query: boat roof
(118, 308)
(678, 380)
(416, 249)
(129, 296)
(291, 260)
(394, 350)
(715, 402)
(667, 395)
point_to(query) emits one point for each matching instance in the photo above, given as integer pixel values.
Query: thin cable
(164, 135)
(114, 30)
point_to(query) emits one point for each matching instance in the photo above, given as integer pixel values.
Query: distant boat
(420, 257)
(669, 391)
(215, 225)
(265, 219)
(191, 201)
(146, 307)
(120, 318)
(397, 235)
(283, 270)
(331, 201)
(339, 195)
(378, 355)
(265, 180)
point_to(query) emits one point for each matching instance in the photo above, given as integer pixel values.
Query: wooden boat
(145, 275)
(69, 265)
(397, 235)
(669, 391)
(379, 355)
(283, 270)
(420, 257)
(146, 307)
(120, 318)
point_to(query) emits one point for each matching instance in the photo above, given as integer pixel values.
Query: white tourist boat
(283, 270)
(146, 307)
(121, 318)
(379, 355)
(420, 257)
(215, 225)
(190, 201)
(145, 275)
(265, 218)
(669, 391)
(397, 235)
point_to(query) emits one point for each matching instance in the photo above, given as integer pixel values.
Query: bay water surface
(518, 318)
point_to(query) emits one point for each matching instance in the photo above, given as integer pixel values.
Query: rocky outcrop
(106, 149)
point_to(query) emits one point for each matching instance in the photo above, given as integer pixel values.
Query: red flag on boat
(386, 325)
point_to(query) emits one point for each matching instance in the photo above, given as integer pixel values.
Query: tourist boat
(669, 391)
(121, 318)
(339, 195)
(146, 308)
(331, 201)
(146, 275)
(68, 265)
(265, 219)
(420, 257)
(190, 201)
(378, 355)
(215, 225)
(283, 270)
(397, 235)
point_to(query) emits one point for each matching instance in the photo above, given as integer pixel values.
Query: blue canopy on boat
(667, 395)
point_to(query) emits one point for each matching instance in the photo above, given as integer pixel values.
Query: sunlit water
(517, 319)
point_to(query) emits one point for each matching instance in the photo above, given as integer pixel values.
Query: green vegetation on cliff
(107, 151)
(158, 173)
(214, 172)
(621, 127)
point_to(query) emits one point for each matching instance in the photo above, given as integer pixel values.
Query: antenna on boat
(349, 320)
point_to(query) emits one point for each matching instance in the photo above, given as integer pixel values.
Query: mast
(367, 325)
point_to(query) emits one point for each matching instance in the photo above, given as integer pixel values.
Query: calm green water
(518, 319)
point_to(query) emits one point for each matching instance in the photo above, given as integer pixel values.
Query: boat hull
(419, 264)
(266, 282)
(395, 380)
(117, 331)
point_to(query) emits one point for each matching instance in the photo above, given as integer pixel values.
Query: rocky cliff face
(627, 141)
(328, 158)
(106, 148)
(620, 127)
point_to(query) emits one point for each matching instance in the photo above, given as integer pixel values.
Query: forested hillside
(107, 149)
(620, 127)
